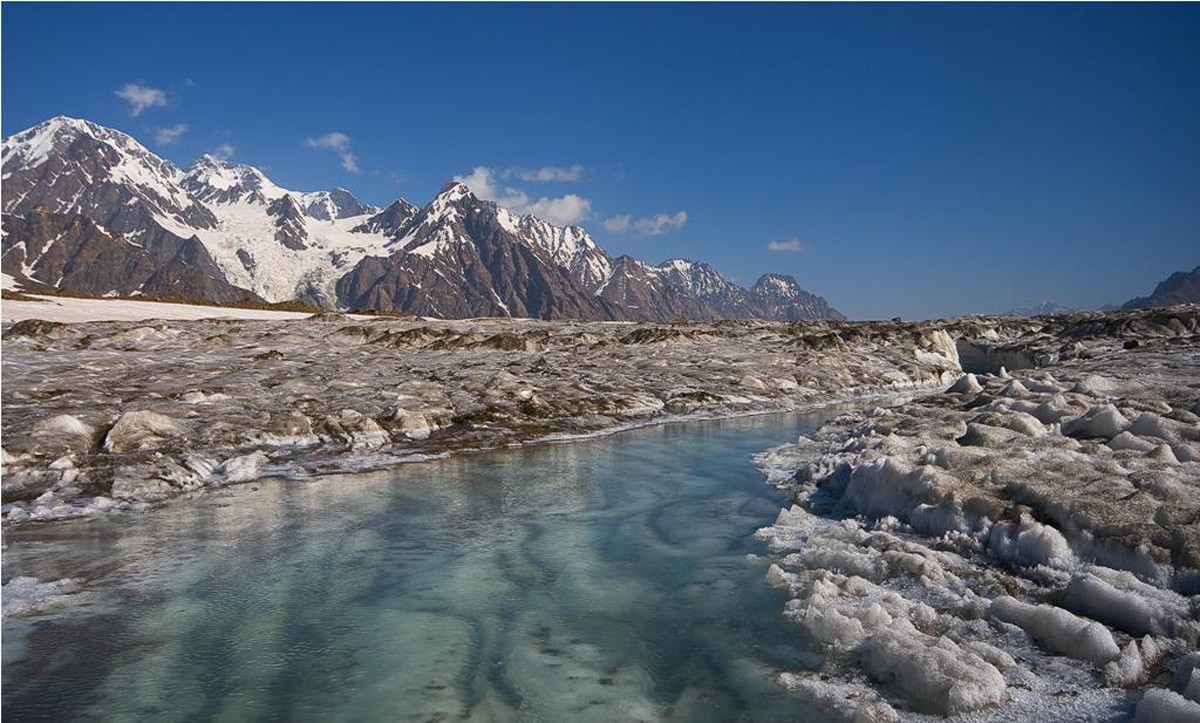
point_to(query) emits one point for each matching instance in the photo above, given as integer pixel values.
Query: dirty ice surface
(1024, 546)
(603, 580)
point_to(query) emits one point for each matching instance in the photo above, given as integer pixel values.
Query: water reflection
(600, 580)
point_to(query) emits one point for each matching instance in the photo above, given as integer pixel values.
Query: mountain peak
(454, 191)
(214, 180)
(33, 146)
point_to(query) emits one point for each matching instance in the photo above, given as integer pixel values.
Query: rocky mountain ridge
(223, 231)
(1181, 287)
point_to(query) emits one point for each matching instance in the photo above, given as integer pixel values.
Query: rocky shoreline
(1025, 544)
(104, 416)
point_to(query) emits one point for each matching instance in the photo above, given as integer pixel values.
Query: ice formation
(149, 410)
(952, 551)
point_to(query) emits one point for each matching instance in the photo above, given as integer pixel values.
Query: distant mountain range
(89, 209)
(1181, 287)
(1043, 309)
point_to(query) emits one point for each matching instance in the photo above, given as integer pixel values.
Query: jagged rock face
(1181, 287)
(671, 291)
(72, 251)
(220, 182)
(289, 223)
(681, 289)
(391, 221)
(91, 210)
(458, 260)
(338, 203)
(570, 247)
(67, 165)
(779, 297)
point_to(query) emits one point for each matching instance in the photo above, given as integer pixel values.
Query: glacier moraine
(1017, 543)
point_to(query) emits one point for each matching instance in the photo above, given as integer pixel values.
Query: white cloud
(141, 97)
(170, 136)
(484, 184)
(618, 224)
(660, 223)
(655, 225)
(222, 152)
(793, 244)
(565, 211)
(552, 173)
(340, 144)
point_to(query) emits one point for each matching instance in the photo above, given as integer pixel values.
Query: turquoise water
(599, 580)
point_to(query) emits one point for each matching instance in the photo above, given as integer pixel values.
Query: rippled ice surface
(599, 580)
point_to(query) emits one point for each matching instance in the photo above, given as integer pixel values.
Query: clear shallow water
(598, 580)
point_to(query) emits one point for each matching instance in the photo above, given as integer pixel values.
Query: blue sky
(901, 160)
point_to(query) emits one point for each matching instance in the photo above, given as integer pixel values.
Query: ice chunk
(934, 674)
(851, 701)
(25, 595)
(1163, 453)
(1136, 663)
(414, 424)
(966, 384)
(1149, 424)
(1052, 410)
(1043, 386)
(1164, 706)
(1014, 389)
(1029, 542)
(1103, 421)
(1126, 440)
(142, 430)
(357, 429)
(244, 468)
(888, 486)
(752, 382)
(1187, 676)
(1058, 630)
(1119, 599)
(64, 433)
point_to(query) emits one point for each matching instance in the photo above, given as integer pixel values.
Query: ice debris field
(1023, 546)
(1020, 543)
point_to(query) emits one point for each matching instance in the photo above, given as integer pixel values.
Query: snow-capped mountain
(91, 209)
(460, 256)
(74, 166)
(281, 244)
(778, 296)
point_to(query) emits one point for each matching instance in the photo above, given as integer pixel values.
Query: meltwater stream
(601, 580)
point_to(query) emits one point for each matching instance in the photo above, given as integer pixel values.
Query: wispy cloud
(550, 173)
(660, 223)
(564, 211)
(618, 224)
(655, 225)
(338, 143)
(222, 152)
(141, 97)
(170, 136)
(793, 244)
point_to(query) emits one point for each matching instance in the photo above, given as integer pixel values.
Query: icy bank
(117, 415)
(1017, 521)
